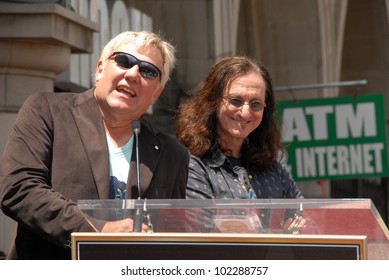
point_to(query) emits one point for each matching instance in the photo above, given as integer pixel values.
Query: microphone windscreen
(135, 124)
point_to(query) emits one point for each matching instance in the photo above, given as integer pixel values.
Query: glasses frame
(242, 103)
(135, 61)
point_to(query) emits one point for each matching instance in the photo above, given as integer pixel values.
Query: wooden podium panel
(216, 246)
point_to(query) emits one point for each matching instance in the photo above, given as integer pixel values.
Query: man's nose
(133, 72)
(245, 110)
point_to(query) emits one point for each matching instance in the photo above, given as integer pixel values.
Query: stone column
(36, 41)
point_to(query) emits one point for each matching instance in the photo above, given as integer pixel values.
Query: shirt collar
(217, 160)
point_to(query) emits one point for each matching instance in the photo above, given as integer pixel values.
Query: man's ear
(99, 71)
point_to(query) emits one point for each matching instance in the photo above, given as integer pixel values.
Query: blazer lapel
(150, 147)
(89, 122)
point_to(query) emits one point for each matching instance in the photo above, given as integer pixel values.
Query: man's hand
(294, 225)
(126, 225)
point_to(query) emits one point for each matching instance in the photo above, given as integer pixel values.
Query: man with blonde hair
(65, 147)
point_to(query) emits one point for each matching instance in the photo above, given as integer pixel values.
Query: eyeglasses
(146, 69)
(237, 103)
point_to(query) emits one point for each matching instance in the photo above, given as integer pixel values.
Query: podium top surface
(322, 216)
(340, 217)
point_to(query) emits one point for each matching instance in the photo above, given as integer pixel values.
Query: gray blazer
(57, 154)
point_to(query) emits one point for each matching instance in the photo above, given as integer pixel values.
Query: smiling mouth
(126, 90)
(240, 123)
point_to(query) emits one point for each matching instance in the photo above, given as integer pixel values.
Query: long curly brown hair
(196, 118)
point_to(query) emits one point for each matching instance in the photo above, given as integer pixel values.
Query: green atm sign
(335, 138)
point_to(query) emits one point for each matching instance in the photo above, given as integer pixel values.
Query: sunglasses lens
(235, 102)
(238, 103)
(256, 106)
(148, 70)
(128, 61)
(125, 61)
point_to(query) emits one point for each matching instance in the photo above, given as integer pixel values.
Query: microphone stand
(138, 218)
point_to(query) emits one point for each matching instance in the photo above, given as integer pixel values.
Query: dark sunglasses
(237, 103)
(146, 69)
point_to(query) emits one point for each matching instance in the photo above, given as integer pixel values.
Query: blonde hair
(140, 39)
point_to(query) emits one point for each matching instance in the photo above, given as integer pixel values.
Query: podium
(340, 229)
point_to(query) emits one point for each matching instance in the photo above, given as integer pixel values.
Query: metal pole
(318, 86)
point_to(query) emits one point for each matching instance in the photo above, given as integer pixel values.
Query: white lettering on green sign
(335, 137)
(339, 160)
(348, 122)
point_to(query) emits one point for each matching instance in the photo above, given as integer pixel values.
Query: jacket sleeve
(182, 178)
(290, 186)
(25, 169)
(199, 184)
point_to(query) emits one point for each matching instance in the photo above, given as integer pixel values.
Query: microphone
(136, 129)
(135, 124)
